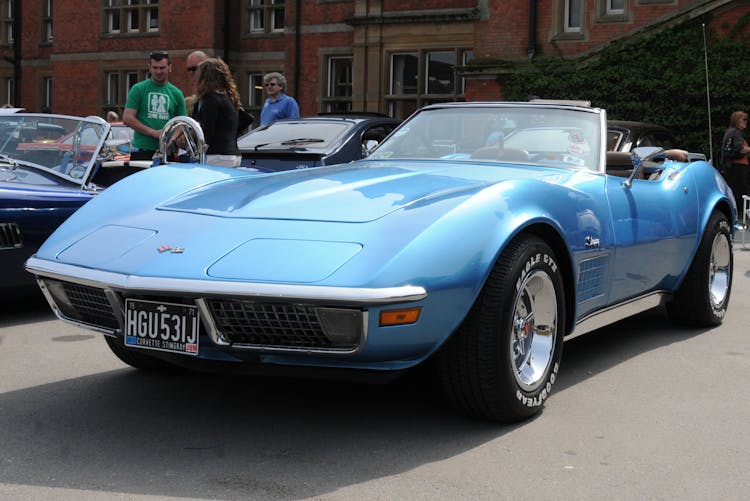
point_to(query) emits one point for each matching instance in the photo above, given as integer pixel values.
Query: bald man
(192, 62)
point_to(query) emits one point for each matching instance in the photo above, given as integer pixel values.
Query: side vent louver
(10, 236)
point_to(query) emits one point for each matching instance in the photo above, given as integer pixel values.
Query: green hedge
(659, 79)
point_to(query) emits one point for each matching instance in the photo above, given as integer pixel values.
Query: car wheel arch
(554, 239)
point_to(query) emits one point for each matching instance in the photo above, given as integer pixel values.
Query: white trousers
(224, 160)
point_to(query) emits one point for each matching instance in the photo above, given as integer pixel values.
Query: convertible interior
(111, 171)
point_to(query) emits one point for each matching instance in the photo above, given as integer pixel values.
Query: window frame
(332, 100)
(9, 91)
(126, 78)
(7, 18)
(607, 13)
(256, 95)
(47, 33)
(567, 26)
(261, 17)
(46, 88)
(130, 17)
(400, 100)
(563, 30)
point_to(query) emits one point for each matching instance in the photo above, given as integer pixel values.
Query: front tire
(703, 297)
(503, 360)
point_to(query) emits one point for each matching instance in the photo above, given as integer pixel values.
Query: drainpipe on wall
(297, 47)
(531, 50)
(227, 27)
(17, 52)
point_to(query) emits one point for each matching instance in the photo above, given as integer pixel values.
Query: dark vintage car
(50, 165)
(313, 141)
(479, 251)
(625, 135)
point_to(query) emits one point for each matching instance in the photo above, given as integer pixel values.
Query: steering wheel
(188, 133)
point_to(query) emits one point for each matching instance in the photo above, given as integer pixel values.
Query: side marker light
(399, 317)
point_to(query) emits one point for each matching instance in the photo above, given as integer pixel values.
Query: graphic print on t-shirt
(158, 106)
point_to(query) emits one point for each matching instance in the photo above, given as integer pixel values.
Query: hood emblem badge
(173, 250)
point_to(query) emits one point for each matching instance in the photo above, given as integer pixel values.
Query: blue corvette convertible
(478, 235)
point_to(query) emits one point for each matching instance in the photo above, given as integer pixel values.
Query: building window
(47, 94)
(425, 77)
(611, 11)
(264, 16)
(131, 16)
(339, 85)
(255, 91)
(569, 16)
(468, 56)
(6, 21)
(46, 20)
(615, 7)
(440, 71)
(9, 95)
(113, 89)
(572, 16)
(117, 85)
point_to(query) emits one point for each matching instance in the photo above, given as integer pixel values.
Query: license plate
(153, 325)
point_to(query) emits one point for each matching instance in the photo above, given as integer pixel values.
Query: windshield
(62, 145)
(318, 134)
(565, 137)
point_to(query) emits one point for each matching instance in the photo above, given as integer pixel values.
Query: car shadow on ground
(24, 308)
(236, 437)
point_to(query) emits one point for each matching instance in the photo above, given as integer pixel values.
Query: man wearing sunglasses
(278, 105)
(151, 104)
(192, 62)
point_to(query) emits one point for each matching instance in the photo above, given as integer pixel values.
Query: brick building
(389, 56)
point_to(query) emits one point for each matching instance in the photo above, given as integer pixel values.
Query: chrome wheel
(720, 270)
(703, 297)
(534, 328)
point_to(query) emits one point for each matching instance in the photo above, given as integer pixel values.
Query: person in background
(216, 110)
(192, 62)
(277, 105)
(151, 104)
(734, 156)
(112, 116)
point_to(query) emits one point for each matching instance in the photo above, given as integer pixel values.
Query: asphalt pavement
(642, 410)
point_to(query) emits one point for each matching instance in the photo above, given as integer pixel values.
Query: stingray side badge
(168, 248)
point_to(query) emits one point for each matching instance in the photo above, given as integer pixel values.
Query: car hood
(339, 225)
(347, 193)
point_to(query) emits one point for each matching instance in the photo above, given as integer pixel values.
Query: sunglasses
(192, 68)
(271, 84)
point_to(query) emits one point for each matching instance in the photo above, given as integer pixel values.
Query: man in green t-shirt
(151, 104)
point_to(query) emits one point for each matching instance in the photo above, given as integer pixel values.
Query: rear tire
(503, 360)
(136, 359)
(703, 297)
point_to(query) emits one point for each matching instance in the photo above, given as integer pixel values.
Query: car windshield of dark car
(63, 146)
(317, 134)
(564, 137)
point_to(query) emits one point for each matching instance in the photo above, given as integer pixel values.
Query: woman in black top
(734, 156)
(216, 109)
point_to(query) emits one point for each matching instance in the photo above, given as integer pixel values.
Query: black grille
(10, 236)
(83, 303)
(265, 324)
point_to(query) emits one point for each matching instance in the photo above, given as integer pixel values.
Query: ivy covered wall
(659, 79)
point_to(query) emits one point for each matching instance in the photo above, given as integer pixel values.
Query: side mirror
(639, 156)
